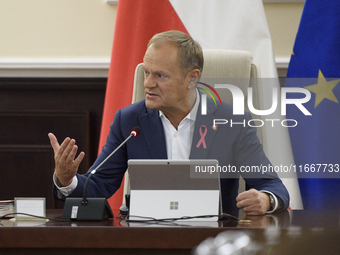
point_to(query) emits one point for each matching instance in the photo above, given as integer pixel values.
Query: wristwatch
(271, 202)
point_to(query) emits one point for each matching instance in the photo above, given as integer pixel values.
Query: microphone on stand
(92, 208)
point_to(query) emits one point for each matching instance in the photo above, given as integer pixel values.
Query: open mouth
(150, 95)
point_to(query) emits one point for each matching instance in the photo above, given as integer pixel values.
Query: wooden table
(303, 231)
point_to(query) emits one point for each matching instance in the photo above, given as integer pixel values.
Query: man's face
(165, 87)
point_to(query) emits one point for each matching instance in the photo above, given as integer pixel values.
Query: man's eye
(160, 75)
(146, 74)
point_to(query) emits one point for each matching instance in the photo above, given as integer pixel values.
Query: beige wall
(84, 28)
(56, 28)
(283, 21)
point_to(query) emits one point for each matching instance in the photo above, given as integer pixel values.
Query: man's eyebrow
(155, 71)
(163, 72)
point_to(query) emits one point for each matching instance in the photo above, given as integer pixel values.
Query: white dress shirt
(178, 142)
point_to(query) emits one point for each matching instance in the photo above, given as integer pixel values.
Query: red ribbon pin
(202, 134)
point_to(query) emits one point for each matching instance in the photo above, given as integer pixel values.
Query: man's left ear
(194, 76)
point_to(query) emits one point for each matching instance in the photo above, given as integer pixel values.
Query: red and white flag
(136, 22)
(215, 24)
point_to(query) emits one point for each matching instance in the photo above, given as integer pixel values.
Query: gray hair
(190, 52)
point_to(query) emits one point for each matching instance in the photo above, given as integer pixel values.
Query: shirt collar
(192, 114)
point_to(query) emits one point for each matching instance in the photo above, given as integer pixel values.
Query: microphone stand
(92, 208)
(84, 201)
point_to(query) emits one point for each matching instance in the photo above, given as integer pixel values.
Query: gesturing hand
(66, 165)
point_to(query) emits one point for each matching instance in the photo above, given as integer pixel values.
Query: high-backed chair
(220, 67)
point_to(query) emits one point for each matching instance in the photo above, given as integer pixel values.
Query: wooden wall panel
(32, 127)
(24, 178)
(30, 109)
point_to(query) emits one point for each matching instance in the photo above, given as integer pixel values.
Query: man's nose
(149, 82)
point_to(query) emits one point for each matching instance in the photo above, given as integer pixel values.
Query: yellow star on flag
(323, 89)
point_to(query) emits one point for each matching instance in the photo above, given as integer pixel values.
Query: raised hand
(66, 165)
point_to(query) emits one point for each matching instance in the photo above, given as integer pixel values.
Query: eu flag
(315, 65)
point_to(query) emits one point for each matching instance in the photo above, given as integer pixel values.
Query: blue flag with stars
(315, 66)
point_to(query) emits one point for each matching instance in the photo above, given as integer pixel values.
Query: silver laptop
(164, 189)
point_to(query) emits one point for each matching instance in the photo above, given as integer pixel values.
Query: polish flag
(215, 24)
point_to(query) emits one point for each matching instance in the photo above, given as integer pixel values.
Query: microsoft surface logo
(174, 205)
